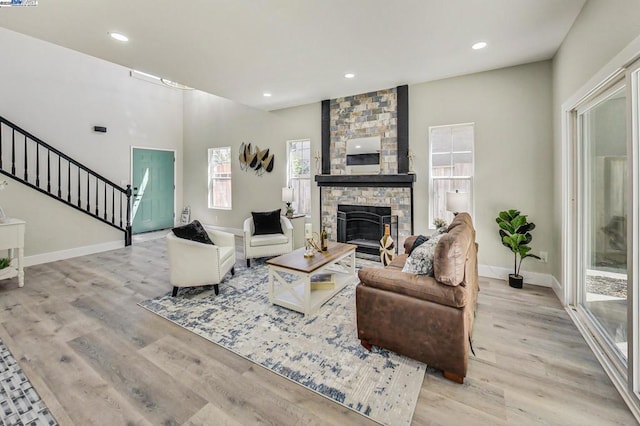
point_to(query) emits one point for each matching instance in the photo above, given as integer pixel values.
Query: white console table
(12, 238)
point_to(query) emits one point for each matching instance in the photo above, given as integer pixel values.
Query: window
(451, 167)
(299, 174)
(220, 178)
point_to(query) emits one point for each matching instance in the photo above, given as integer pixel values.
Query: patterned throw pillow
(193, 231)
(420, 261)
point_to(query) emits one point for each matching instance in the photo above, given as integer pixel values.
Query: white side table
(12, 238)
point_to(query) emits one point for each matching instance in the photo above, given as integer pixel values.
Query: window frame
(300, 178)
(432, 179)
(211, 179)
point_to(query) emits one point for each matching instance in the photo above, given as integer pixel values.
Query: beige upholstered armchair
(193, 264)
(271, 244)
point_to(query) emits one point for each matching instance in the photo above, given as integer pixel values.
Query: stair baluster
(30, 142)
(37, 166)
(59, 184)
(49, 170)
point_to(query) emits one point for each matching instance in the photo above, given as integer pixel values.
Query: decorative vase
(515, 281)
(386, 246)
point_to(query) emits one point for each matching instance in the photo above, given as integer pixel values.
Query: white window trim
(432, 178)
(289, 177)
(210, 180)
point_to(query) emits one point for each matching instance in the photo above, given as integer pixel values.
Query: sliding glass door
(603, 216)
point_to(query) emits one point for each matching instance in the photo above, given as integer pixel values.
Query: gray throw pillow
(420, 261)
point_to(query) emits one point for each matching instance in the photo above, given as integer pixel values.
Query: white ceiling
(299, 50)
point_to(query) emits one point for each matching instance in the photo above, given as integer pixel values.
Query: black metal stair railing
(67, 180)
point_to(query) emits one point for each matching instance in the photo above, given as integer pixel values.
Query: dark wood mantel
(376, 181)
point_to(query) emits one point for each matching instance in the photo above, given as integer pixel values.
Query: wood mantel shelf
(395, 181)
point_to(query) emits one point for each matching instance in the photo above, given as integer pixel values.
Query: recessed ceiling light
(119, 37)
(266, 94)
(349, 75)
(479, 45)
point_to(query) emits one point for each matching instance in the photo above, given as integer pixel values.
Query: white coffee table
(290, 276)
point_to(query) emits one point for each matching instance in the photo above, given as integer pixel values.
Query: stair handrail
(127, 192)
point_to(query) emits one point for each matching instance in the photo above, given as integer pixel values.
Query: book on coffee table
(322, 282)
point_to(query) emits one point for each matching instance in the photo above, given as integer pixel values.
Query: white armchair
(193, 264)
(267, 244)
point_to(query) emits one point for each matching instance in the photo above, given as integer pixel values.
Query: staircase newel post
(127, 235)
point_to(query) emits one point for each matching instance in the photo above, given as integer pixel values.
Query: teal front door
(153, 190)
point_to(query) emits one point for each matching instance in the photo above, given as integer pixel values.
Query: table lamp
(287, 197)
(457, 202)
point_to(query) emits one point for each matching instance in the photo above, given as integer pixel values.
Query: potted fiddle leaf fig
(515, 234)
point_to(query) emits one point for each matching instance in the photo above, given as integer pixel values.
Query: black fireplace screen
(364, 226)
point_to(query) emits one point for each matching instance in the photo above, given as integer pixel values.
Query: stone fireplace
(383, 113)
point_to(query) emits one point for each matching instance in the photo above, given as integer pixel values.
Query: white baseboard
(558, 290)
(501, 273)
(38, 259)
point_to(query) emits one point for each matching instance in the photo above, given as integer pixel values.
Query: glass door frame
(624, 66)
(582, 202)
(633, 231)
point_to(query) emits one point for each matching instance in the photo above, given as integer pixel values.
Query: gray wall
(59, 95)
(513, 150)
(602, 30)
(211, 121)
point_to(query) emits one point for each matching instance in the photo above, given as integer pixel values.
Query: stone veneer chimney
(382, 113)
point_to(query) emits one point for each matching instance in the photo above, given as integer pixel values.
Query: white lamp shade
(457, 202)
(287, 195)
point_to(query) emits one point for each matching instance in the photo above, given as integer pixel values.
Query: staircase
(38, 165)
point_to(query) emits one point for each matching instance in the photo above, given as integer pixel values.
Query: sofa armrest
(221, 238)
(287, 226)
(418, 286)
(408, 243)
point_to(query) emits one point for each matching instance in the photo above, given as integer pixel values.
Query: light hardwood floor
(97, 358)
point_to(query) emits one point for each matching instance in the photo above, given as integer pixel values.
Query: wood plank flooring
(96, 358)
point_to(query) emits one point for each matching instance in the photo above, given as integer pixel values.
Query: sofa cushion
(266, 222)
(268, 240)
(451, 252)
(420, 261)
(193, 231)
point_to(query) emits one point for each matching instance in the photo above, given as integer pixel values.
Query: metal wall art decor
(255, 159)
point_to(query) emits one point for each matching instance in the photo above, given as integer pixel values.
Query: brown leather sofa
(427, 318)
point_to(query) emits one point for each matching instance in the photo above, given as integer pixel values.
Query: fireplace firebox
(364, 226)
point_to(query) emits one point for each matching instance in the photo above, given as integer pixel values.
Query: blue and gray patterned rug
(321, 352)
(20, 404)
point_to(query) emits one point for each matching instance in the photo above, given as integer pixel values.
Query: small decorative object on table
(287, 198)
(308, 240)
(386, 246)
(323, 239)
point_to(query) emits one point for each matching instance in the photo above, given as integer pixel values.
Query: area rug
(20, 404)
(321, 352)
